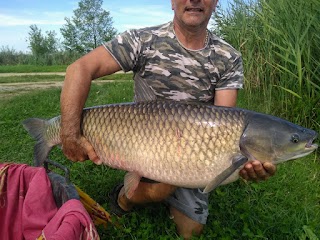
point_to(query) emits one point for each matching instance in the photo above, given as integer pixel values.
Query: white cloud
(8, 20)
(14, 24)
(27, 17)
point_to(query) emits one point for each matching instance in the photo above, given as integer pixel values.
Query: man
(180, 61)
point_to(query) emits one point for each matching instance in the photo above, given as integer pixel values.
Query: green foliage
(88, 28)
(9, 56)
(57, 58)
(279, 44)
(42, 46)
(45, 51)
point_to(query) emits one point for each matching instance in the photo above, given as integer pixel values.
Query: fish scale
(186, 138)
(187, 145)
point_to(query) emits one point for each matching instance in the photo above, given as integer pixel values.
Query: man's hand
(256, 171)
(78, 149)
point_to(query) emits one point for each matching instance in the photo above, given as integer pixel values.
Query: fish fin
(36, 127)
(236, 163)
(244, 141)
(131, 182)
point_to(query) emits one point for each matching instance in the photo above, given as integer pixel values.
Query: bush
(278, 40)
(9, 56)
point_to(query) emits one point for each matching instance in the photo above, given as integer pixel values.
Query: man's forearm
(77, 85)
(73, 97)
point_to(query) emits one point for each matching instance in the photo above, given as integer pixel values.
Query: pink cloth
(71, 222)
(28, 209)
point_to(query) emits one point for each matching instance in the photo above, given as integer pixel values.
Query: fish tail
(37, 128)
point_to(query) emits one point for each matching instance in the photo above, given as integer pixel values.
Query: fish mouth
(311, 145)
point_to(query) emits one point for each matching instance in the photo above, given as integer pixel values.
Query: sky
(16, 16)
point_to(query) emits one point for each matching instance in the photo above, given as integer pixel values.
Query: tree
(88, 28)
(41, 45)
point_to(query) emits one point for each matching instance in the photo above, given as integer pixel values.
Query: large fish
(186, 145)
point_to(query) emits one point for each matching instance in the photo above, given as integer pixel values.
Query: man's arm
(226, 98)
(74, 94)
(254, 170)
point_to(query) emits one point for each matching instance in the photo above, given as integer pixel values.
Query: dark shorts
(191, 202)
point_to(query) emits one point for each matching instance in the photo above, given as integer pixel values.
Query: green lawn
(55, 77)
(31, 68)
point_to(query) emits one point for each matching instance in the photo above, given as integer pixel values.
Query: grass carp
(186, 145)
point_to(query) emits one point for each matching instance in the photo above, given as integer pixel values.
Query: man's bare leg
(186, 227)
(145, 193)
(157, 192)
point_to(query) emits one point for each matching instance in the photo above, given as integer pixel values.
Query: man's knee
(186, 227)
(157, 192)
(146, 193)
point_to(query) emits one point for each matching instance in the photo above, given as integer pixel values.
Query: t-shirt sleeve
(125, 49)
(232, 77)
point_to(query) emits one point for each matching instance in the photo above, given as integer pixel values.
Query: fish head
(268, 138)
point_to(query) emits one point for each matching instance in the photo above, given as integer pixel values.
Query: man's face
(193, 13)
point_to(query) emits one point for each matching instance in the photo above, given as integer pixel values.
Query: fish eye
(295, 138)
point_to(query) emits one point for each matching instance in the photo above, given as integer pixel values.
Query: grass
(284, 207)
(31, 68)
(31, 78)
(55, 78)
(278, 40)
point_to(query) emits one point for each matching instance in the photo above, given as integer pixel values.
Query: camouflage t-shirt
(164, 69)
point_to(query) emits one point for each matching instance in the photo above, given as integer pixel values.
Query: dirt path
(26, 86)
(8, 90)
(36, 74)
